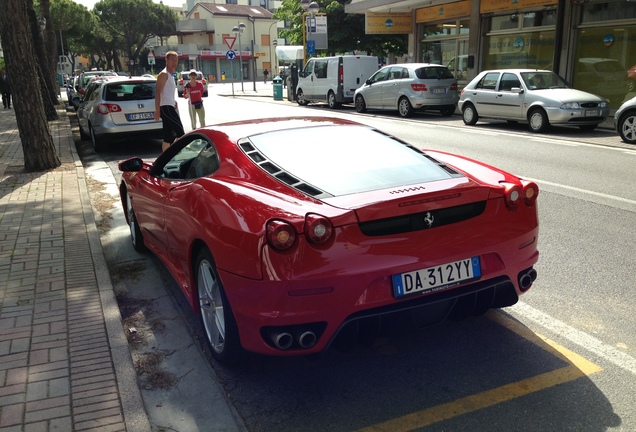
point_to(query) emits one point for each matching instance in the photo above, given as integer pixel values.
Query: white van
(333, 79)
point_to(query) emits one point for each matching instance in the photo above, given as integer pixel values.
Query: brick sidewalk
(64, 359)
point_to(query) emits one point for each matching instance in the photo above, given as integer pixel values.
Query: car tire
(538, 120)
(405, 109)
(447, 112)
(360, 104)
(83, 135)
(216, 313)
(469, 114)
(331, 100)
(300, 98)
(588, 128)
(98, 142)
(627, 127)
(136, 236)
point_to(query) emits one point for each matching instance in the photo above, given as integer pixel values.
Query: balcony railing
(193, 25)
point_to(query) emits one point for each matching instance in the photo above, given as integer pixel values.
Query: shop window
(605, 61)
(520, 50)
(608, 11)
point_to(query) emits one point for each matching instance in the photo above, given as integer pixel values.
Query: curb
(135, 416)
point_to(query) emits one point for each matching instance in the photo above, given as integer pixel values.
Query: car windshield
(366, 159)
(541, 80)
(119, 92)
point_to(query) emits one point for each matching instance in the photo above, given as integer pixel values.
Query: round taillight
(318, 229)
(102, 108)
(114, 108)
(513, 194)
(280, 235)
(530, 192)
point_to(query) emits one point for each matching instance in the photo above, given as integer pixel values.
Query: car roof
(414, 65)
(516, 70)
(244, 128)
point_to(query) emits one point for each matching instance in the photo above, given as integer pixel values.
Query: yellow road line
(578, 367)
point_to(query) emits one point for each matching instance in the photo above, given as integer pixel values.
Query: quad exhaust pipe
(526, 278)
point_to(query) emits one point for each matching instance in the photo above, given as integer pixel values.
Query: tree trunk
(50, 51)
(42, 64)
(17, 42)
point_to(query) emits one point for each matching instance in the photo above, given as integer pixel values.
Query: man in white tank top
(165, 103)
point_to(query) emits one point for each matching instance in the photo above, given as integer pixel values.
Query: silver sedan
(539, 97)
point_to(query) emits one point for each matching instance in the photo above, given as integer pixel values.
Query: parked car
(82, 82)
(408, 87)
(281, 259)
(184, 78)
(539, 97)
(118, 108)
(333, 80)
(625, 121)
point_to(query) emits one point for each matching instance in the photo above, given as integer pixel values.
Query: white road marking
(584, 340)
(583, 191)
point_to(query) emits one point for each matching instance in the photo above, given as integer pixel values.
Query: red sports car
(290, 235)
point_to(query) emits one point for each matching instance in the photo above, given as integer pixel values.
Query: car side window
(178, 167)
(488, 81)
(206, 163)
(380, 75)
(508, 81)
(320, 69)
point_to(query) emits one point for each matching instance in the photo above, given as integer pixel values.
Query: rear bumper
(111, 131)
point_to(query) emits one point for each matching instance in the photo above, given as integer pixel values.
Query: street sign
(229, 41)
(231, 55)
(311, 47)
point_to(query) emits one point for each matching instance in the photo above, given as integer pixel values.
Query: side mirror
(132, 164)
(517, 90)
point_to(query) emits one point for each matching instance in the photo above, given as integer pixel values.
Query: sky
(172, 3)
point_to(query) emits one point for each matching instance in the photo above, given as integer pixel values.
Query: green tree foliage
(72, 23)
(345, 31)
(132, 22)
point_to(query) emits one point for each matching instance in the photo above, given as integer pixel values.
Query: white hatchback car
(118, 107)
(408, 87)
(539, 97)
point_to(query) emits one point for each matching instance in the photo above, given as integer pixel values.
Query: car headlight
(571, 105)
(603, 104)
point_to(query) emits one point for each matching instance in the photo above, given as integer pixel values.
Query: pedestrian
(194, 92)
(5, 88)
(265, 73)
(165, 102)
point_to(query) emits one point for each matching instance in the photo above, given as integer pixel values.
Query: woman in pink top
(194, 92)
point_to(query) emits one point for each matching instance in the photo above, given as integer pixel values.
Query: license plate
(436, 278)
(438, 90)
(140, 116)
(592, 113)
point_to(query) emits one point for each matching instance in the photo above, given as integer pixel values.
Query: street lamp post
(310, 8)
(238, 30)
(274, 42)
(253, 21)
(152, 62)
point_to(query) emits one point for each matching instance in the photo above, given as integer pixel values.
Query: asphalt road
(564, 358)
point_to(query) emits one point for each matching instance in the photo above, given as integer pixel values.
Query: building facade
(592, 44)
(205, 36)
